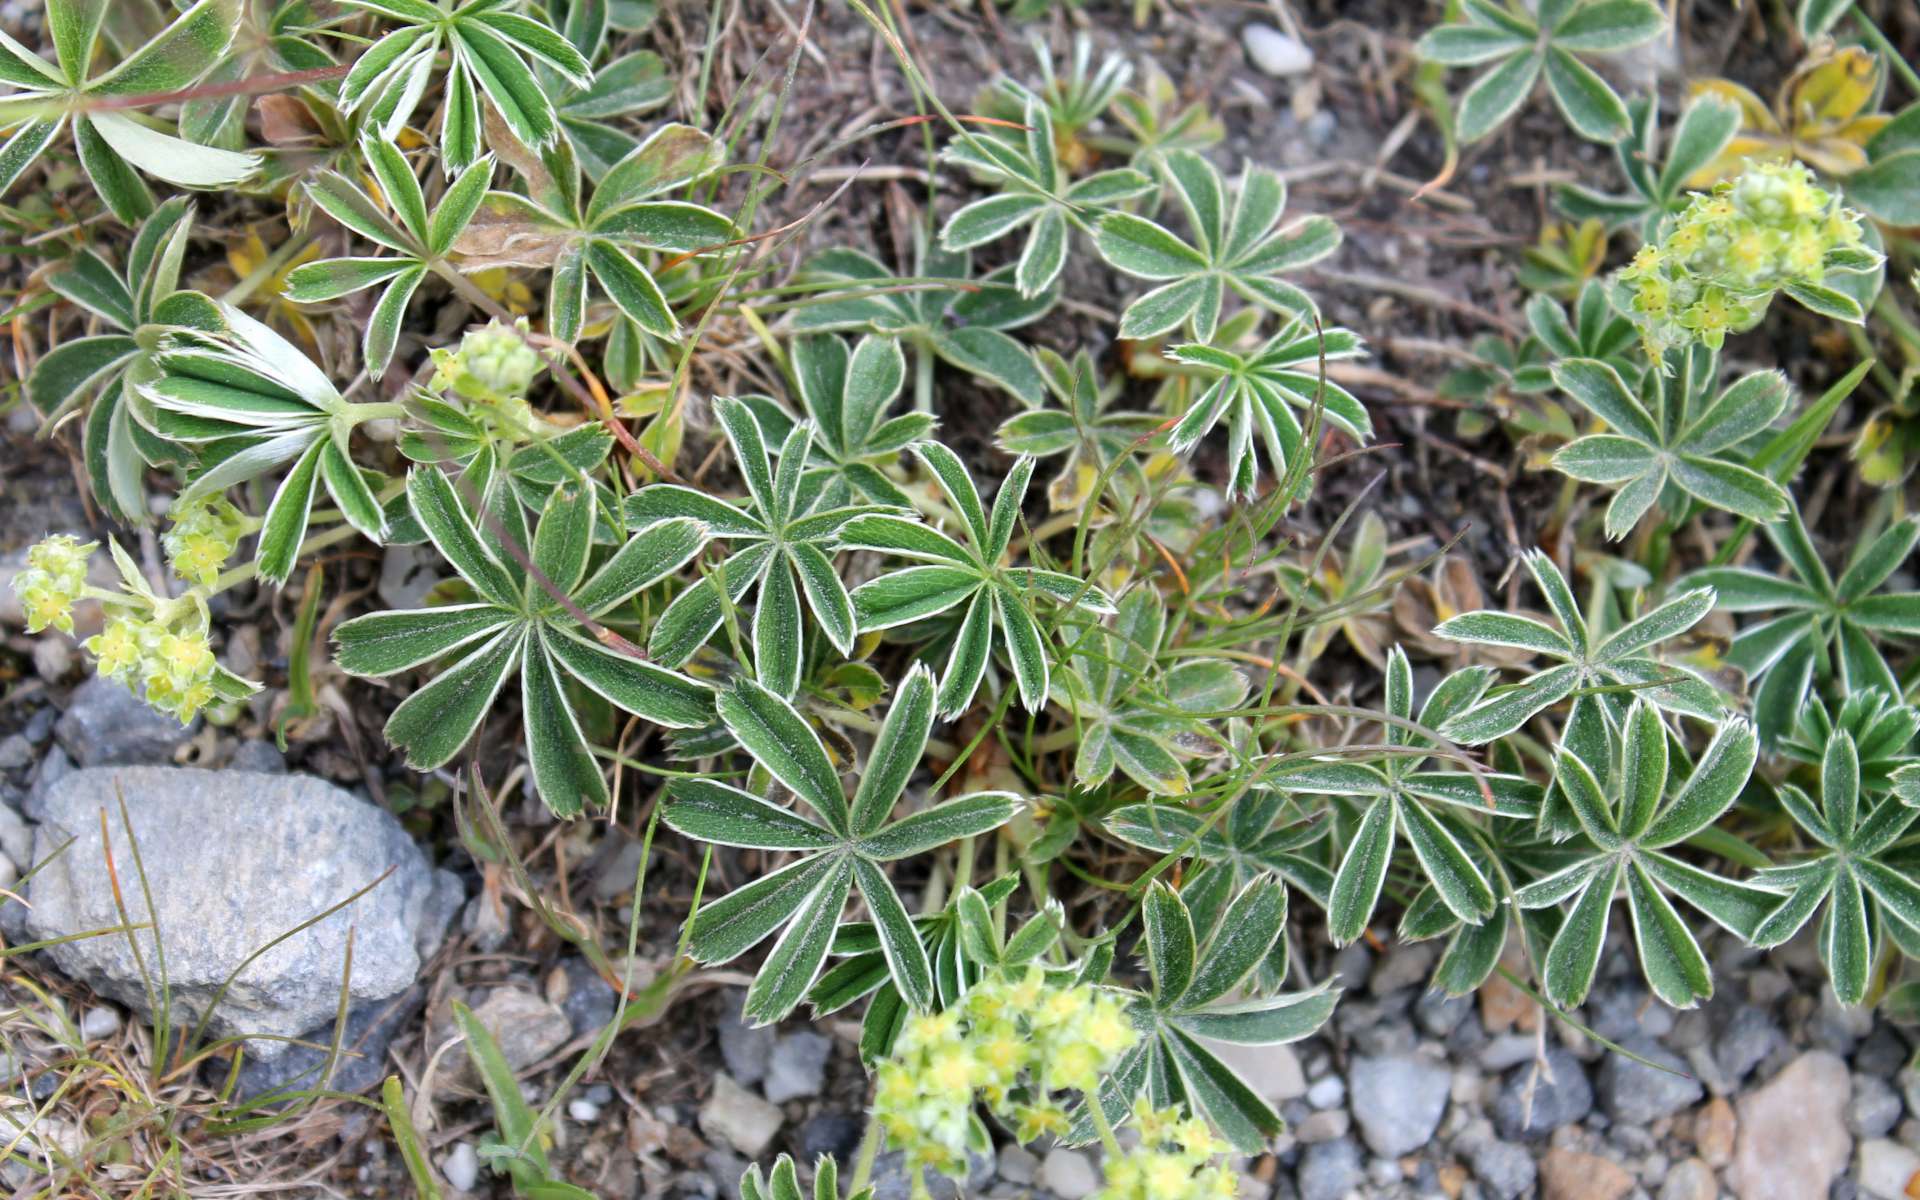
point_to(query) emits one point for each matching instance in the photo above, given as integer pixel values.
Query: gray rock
(590, 1001)
(1406, 964)
(798, 1067)
(1533, 1103)
(1438, 1014)
(1506, 1170)
(834, 1134)
(106, 725)
(1637, 1094)
(362, 1064)
(100, 1021)
(739, 1118)
(16, 837)
(1749, 1036)
(1883, 1053)
(235, 860)
(745, 1048)
(1068, 1174)
(1398, 1101)
(257, 756)
(54, 766)
(527, 1027)
(1017, 1164)
(1331, 1170)
(1328, 1092)
(15, 752)
(1323, 1126)
(1875, 1107)
(1620, 1008)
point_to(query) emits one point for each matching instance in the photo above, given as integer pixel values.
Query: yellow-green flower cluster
(55, 576)
(1024, 1046)
(202, 538)
(1179, 1157)
(494, 368)
(168, 663)
(1716, 268)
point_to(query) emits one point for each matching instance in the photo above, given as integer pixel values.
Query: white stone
(1272, 1071)
(1275, 53)
(739, 1118)
(1886, 1169)
(1068, 1174)
(1793, 1132)
(583, 1111)
(98, 1022)
(461, 1167)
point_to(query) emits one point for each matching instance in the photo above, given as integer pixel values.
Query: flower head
(53, 581)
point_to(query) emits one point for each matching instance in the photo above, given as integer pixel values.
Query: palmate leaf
(1096, 439)
(1519, 47)
(249, 402)
(1264, 832)
(421, 240)
(1633, 807)
(969, 575)
(1035, 196)
(115, 148)
(1244, 249)
(1850, 874)
(962, 323)
(543, 622)
(1673, 441)
(1134, 715)
(1657, 185)
(845, 395)
(1621, 659)
(1820, 627)
(842, 845)
(962, 945)
(88, 373)
(1404, 801)
(607, 237)
(1257, 394)
(1187, 1005)
(489, 49)
(784, 546)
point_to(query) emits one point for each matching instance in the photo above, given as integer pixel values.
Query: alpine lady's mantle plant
(1034, 789)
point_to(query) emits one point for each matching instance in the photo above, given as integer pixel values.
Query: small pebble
(461, 1167)
(1275, 53)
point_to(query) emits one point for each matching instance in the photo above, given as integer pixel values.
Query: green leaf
(906, 958)
(563, 769)
(1170, 943)
(285, 524)
(645, 689)
(1494, 96)
(385, 643)
(795, 960)
(929, 829)
(435, 722)
(774, 733)
(1574, 954)
(1362, 874)
(1587, 101)
(438, 510)
(1490, 628)
(716, 812)
(896, 753)
(1669, 956)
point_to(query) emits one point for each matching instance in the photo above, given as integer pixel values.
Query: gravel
(1636, 1093)
(1398, 1101)
(1330, 1170)
(797, 1068)
(1537, 1099)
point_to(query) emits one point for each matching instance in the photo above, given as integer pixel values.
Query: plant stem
(869, 1151)
(1879, 41)
(1099, 1113)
